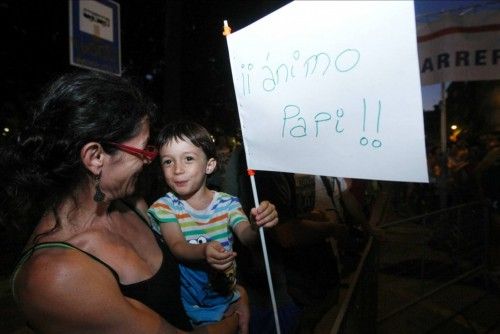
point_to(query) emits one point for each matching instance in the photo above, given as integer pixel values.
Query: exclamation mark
(363, 141)
(376, 143)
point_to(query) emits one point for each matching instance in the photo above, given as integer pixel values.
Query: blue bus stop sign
(94, 35)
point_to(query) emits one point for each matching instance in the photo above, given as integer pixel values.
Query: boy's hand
(264, 215)
(217, 256)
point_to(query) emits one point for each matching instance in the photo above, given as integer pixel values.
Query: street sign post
(94, 35)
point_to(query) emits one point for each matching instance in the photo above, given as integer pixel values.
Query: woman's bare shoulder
(66, 290)
(50, 271)
(57, 286)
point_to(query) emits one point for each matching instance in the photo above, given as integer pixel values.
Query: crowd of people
(455, 177)
(124, 236)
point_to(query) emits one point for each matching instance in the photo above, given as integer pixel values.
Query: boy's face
(185, 167)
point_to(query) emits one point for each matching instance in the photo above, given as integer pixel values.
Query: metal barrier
(433, 251)
(358, 311)
(426, 254)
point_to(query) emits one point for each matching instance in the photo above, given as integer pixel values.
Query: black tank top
(161, 292)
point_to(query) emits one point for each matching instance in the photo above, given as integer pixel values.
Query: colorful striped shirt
(216, 222)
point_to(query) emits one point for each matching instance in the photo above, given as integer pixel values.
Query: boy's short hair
(182, 130)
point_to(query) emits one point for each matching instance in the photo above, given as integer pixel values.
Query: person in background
(334, 194)
(347, 202)
(198, 223)
(487, 174)
(461, 174)
(92, 263)
(223, 149)
(311, 263)
(302, 263)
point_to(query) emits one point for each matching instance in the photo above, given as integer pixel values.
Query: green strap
(61, 244)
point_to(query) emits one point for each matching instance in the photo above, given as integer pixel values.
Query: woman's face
(120, 173)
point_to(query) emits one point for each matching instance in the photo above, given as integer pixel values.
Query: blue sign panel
(94, 35)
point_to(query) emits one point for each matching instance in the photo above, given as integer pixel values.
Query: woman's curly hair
(43, 166)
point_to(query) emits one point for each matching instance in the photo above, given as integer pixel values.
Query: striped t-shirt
(214, 223)
(202, 304)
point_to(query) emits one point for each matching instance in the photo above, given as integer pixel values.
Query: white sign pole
(251, 174)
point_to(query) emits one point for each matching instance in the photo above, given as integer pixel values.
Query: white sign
(332, 88)
(460, 47)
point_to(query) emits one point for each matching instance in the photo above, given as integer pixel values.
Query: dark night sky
(179, 43)
(184, 52)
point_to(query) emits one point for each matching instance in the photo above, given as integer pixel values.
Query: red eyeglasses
(149, 153)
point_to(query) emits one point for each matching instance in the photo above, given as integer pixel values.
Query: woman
(92, 263)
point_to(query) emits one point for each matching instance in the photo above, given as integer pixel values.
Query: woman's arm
(241, 309)
(228, 325)
(64, 291)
